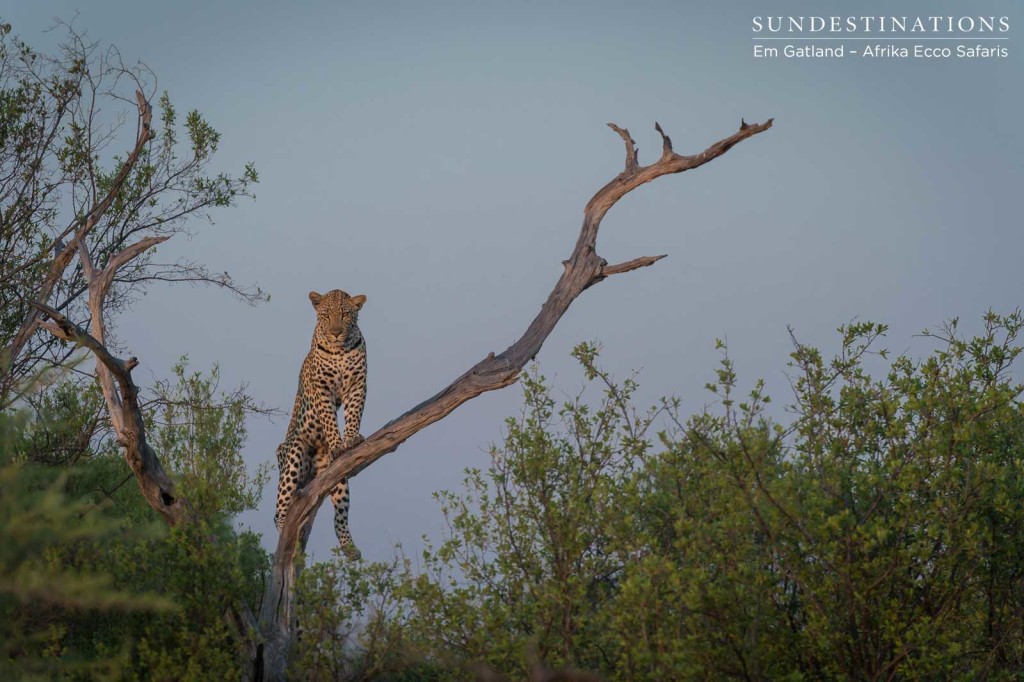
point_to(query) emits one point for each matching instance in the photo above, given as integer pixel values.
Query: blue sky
(437, 157)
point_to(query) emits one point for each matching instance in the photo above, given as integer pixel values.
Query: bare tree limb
(188, 272)
(85, 258)
(631, 149)
(642, 262)
(581, 270)
(666, 142)
(56, 330)
(121, 258)
(99, 284)
(156, 487)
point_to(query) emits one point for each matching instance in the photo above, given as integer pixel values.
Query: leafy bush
(40, 593)
(94, 583)
(876, 535)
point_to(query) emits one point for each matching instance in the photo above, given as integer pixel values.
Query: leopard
(332, 375)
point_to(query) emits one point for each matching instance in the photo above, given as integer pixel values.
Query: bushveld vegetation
(876, 533)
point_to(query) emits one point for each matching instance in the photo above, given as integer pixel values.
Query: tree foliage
(94, 584)
(40, 523)
(200, 432)
(65, 135)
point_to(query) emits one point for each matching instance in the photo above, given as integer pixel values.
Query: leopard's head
(336, 316)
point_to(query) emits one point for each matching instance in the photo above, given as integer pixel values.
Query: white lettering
(925, 52)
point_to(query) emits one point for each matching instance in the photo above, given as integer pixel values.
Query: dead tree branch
(582, 269)
(126, 415)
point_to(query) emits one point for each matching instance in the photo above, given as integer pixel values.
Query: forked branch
(581, 270)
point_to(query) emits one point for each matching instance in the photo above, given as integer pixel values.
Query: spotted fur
(333, 375)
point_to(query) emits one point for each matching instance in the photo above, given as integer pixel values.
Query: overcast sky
(437, 156)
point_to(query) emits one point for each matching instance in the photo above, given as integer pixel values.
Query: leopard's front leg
(340, 493)
(353, 397)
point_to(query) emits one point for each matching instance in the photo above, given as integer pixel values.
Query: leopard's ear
(359, 301)
(315, 298)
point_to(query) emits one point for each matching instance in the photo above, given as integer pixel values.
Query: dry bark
(125, 416)
(267, 640)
